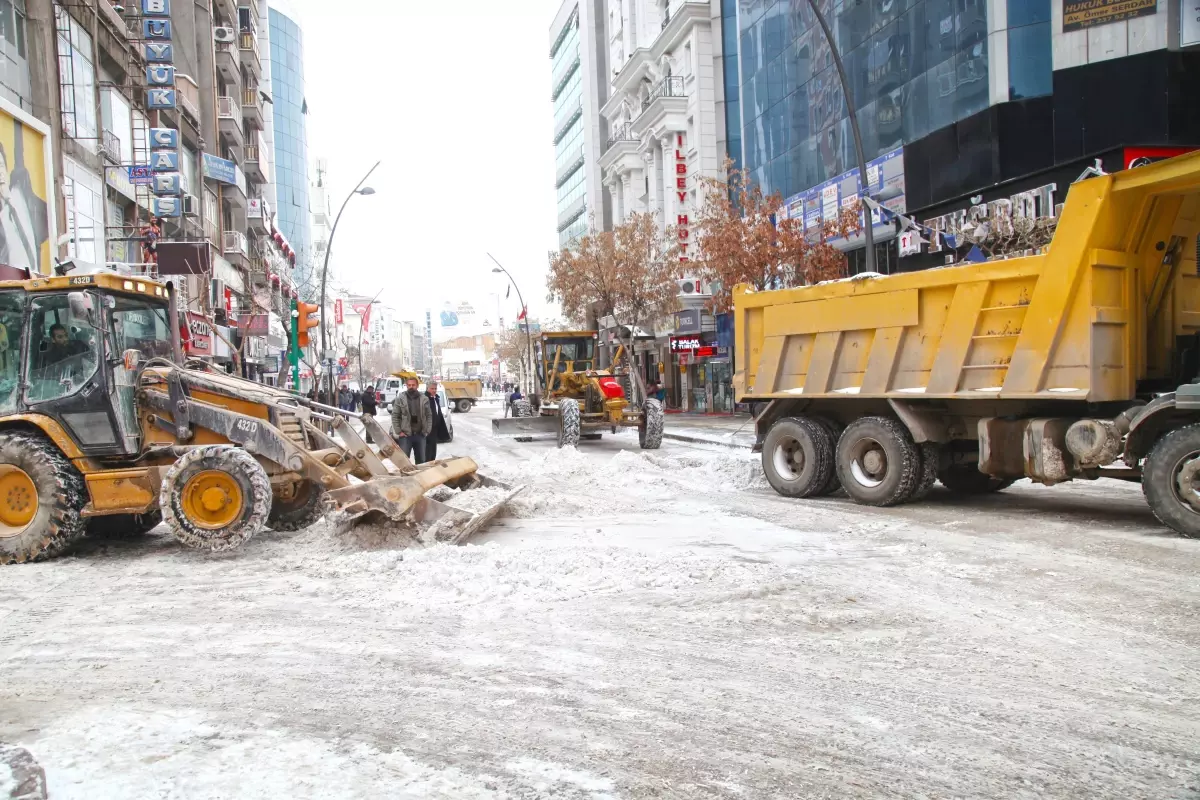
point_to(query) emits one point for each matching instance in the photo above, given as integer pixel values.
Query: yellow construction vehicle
(576, 401)
(102, 428)
(1078, 362)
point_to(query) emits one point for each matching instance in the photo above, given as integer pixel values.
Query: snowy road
(642, 625)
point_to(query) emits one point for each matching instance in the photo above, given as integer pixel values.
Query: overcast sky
(454, 98)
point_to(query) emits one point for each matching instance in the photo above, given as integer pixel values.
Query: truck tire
(462, 406)
(967, 479)
(306, 507)
(650, 432)
(877, 462)
(835, 428)
(216, 497)
(1171, 480)
(797, 457)
(931, 460)
(41, 495)
(124, 526)
(569, 420)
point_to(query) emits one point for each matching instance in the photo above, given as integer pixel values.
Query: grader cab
(103, 429)
(578, 401)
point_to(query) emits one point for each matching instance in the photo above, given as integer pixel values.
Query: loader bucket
(521, 427)
(401, 497)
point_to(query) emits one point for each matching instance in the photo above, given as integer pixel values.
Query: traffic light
(306, 321)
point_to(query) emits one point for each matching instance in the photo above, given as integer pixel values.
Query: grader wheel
(216, 498)
(41, 495)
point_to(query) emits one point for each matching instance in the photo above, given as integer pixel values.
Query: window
(1030, 69)
(116, 113)
(12, 323)
(14, 68)
(76, 77)
(63, 346)
(84, 195)
(140, 325)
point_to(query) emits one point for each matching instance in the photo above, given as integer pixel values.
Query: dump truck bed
(1087, 320)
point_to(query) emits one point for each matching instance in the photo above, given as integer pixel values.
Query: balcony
(248, 47)
(620, 135)
(668, 87)
(258, 216)
(227, 62)
(235, 249)
(252, 107)
(663, 109)
(110, 145)
(256, 160)
(189, 96)
(229, 121)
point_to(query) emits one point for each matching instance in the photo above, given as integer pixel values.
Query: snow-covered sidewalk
(735, 431)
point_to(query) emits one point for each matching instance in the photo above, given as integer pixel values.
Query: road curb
(679, 437)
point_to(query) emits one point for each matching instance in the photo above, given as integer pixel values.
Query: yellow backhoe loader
(103, 427)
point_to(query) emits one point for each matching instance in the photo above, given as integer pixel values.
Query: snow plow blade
(401, 498)
(517, 427)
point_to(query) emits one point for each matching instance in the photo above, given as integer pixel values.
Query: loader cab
(69, 349)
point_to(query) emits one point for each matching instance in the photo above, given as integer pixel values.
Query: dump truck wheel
(967, 479)
(797, 457)
(124, 526)
(834, 484)
(463, 406)
(1171, 480)
(41, 495)
(306, 507)
(216, 497)
(931, 460)
(650, 431)
(569, 420)
(877, 462)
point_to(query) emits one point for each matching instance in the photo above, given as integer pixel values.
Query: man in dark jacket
(440, 432)
(412, 421)
(368, 407)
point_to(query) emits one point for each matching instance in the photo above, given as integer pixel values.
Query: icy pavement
(639, 625)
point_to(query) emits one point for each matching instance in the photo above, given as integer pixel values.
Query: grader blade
(520, 427)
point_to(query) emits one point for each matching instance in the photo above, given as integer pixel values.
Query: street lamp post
(525, 313)
(359, 189)
(868, 233)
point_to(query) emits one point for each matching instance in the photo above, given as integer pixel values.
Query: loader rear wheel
(797, 457)
(124, 526)
(215, 498)
(877, 462)
(41, 495)
(569, 420)
(306, 507)
(1171, 480)
(967, 479)
(650, 431)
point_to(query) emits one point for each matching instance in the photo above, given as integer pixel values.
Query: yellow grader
(577, 401)
(104, 429)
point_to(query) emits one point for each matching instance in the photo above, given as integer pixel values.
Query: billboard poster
(1081, 14)
(26, 218)
(885, 178)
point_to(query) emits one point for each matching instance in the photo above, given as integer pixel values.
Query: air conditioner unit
(689, 286)
(224, 34)
(191, 205)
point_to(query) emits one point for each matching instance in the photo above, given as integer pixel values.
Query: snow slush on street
(634, 624)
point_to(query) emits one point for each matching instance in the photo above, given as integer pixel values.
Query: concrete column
(669, 202)
(628, 41)
(618, 192)
(654, 166)
(634, 182)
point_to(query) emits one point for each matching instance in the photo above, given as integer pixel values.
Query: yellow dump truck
(463, 394)
(1080, 362)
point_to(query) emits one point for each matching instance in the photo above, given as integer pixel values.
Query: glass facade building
(569, 151)
(289, 113)
(914, 67)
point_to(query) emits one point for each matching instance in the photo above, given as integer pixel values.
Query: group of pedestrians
(419, 422)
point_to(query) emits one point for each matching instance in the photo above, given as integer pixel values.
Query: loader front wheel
(650, 432)
(568, 423)
(797, 457)
(1171, 480)
(305, 507)
(877, 462)
(216, 498)
(41, 495)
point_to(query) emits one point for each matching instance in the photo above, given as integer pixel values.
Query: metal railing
(621, 134)
(235, 242)
(227, 108)
(251, 151)
(671, 86)
(250, 97)
(112, 146)
(248, 41)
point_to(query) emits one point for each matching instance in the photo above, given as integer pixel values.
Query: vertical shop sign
(681, 221)
(166, 182)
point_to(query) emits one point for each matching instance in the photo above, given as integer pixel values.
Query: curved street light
(525, 310)
(359, 189)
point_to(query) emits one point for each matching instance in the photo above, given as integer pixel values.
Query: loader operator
(412, 421)
(60, 347)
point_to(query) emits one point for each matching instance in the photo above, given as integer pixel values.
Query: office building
(290, 137)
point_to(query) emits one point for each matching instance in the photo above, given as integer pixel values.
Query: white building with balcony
(664, 110)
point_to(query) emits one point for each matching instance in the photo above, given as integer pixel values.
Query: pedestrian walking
(412, 421)
(440, 433)
(510, 400)
(368, 408)
(355, 399)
